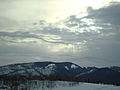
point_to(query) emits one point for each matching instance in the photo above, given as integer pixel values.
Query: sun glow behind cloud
(50, 10)
(57, 29)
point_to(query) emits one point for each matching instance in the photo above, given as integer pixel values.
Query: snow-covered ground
(80, 86)
(60, 85)
(88, 86)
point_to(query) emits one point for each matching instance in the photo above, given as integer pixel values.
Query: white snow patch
(19, 67)
(74, 66)
(85, 72)
(90, 71)
(66, 68)
(5, 70)
(48, 70)
(89, 86)
(60, 85)
(21, 72)
(51, 65)
(32, 72)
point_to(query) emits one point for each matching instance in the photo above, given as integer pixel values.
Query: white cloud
(91, 39)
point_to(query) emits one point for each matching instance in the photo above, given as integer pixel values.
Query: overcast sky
(86, 32)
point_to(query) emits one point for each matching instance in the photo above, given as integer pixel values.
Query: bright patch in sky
(50, 10)
(82, 31)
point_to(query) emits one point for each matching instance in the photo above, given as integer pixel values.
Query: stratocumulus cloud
(91, 39)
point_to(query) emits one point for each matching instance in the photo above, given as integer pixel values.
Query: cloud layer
(91, 40)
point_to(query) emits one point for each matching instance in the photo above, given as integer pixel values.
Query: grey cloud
(66, 36)
(13, 36)
(102, 47)
(23, 49)
(106, 18)
(109, 14)
(72, 21)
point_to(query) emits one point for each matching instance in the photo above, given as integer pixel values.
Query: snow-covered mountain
(41, 69)
(62, 70)
(105, 75)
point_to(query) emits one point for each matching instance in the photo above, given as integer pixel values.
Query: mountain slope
(41, 69)
(61, 71)
(105, 75)
(116, 68)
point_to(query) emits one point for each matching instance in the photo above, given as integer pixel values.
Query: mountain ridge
(62, 71)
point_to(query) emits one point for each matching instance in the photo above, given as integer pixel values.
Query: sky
(85, 32)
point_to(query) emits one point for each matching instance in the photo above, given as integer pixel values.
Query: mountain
(61, 71)
(116, 68)
(65, 69)
(104, 75)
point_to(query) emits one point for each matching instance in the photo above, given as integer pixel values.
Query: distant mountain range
(61, 71)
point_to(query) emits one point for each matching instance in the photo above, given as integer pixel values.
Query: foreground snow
(81, 86)
(59, 85)
(88, 86)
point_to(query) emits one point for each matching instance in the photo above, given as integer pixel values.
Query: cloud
(109, 14)
(7, 22)
(100, 29)
(18, 35)
(93, 39)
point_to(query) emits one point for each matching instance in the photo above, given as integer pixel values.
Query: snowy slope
(60, 85)
(62, 70)
(88, 86)
(40, 68)
(105, 75)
